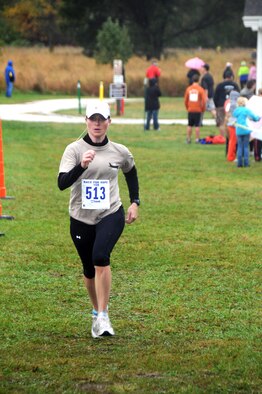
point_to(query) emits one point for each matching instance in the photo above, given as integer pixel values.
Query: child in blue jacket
(241, 113)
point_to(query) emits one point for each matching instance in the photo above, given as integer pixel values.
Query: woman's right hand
(87, 158)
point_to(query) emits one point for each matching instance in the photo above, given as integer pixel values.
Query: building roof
(253, 8)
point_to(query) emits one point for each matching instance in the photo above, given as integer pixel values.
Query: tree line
(149, 26)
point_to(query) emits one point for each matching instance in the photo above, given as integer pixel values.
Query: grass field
(185, 296)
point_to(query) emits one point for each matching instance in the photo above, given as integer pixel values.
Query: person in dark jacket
(249, 90)
(9, 78)
(207, 83)
(228, 68)
(221, 94)
(152, 104)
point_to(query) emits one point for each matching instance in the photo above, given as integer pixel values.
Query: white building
(253, 18)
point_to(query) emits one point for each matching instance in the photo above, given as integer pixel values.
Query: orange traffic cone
(2, 178)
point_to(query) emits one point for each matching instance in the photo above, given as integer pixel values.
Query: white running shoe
(102, 327)
(94, 319)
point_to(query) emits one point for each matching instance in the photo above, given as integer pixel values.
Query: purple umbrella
(195, 63)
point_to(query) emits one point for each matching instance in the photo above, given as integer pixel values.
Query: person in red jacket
(153, 71)
(195, 102)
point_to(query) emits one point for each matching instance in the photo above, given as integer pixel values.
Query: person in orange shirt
(230, 106)
(195, 102)
(153, 71)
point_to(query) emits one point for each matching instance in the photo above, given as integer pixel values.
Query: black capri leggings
(94, 243)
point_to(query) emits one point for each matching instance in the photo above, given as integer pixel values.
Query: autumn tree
(35, 20)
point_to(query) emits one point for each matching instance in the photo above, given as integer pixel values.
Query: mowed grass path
(185, 297)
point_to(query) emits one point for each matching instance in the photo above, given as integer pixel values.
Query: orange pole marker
(122, 106)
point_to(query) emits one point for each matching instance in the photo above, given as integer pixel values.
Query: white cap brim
(98, 107)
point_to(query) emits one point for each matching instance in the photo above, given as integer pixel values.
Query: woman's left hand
(132, 213)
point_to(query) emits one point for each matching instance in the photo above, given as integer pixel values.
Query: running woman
(90, 167)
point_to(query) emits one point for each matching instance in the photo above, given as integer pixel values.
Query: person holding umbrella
(194, 65)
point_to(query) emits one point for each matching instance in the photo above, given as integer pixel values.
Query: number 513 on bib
(95, 194)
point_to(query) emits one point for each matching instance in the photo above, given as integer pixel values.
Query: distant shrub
(20, 42)
(37, 87)
(113, 42)
(135, 87)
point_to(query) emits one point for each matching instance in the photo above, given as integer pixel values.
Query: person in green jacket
(243, 72)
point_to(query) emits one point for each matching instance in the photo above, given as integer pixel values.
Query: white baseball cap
(98, 107)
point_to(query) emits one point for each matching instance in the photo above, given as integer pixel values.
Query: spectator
(249, 90)
(221, 94)
(153, 71)
(228, 68)
(230, 126)
(252, 76)
(190, 75)
(256, 143)
(9, 78)
(195, 103)
(243, 72)
(241, 113)
(207, 83)
(152, 103)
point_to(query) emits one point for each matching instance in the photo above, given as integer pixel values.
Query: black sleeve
(66, 179)
(237, 88)
(146, 100)
(216, 94)
(132, 184)
(204, 84)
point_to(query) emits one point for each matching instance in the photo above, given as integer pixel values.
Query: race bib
(193, 96)
(95, 194)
